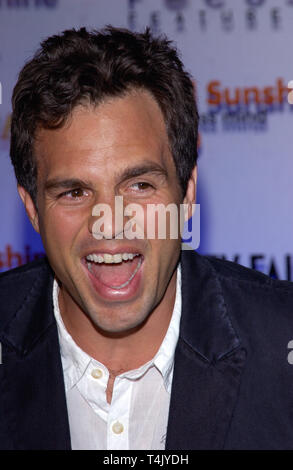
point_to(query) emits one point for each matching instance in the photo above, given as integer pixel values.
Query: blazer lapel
(33, 390)
(208, 362)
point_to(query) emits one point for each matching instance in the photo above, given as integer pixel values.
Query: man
(118, 341)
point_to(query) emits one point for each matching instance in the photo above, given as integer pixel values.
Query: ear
(190, 195)
(29, 207)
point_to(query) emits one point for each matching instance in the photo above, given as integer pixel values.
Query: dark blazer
(232, 385)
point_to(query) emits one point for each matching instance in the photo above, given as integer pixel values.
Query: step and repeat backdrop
(239, 53)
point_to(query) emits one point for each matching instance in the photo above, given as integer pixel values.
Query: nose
(107, 219)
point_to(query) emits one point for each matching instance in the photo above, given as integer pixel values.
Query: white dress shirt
(137, 416)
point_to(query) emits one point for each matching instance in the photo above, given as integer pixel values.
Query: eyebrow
(69, 183)
(142, 170)
(57, 183)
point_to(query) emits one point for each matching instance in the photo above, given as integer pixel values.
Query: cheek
(162, 222)
(59, 230)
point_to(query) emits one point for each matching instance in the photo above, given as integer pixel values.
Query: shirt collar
(75, 361)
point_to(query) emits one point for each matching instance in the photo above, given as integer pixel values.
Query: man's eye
(74, 193)
(142, 186)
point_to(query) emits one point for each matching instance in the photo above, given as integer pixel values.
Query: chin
(111, 322)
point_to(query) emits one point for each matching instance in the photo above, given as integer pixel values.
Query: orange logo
(217, 94)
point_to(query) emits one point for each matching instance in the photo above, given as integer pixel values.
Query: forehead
(119, 131)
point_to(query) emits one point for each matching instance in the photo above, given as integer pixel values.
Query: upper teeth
(108, 258)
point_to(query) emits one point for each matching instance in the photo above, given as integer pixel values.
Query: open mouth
(115, 271)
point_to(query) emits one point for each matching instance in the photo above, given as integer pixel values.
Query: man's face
(119, 148)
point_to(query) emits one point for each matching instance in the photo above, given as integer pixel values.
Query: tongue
(113, 275)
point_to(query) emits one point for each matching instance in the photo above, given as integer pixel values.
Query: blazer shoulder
(16, 283)
(24, 272)
(231, 271)
(255, 302)
(259, 308)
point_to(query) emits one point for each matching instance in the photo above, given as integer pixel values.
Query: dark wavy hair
(88, 66)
